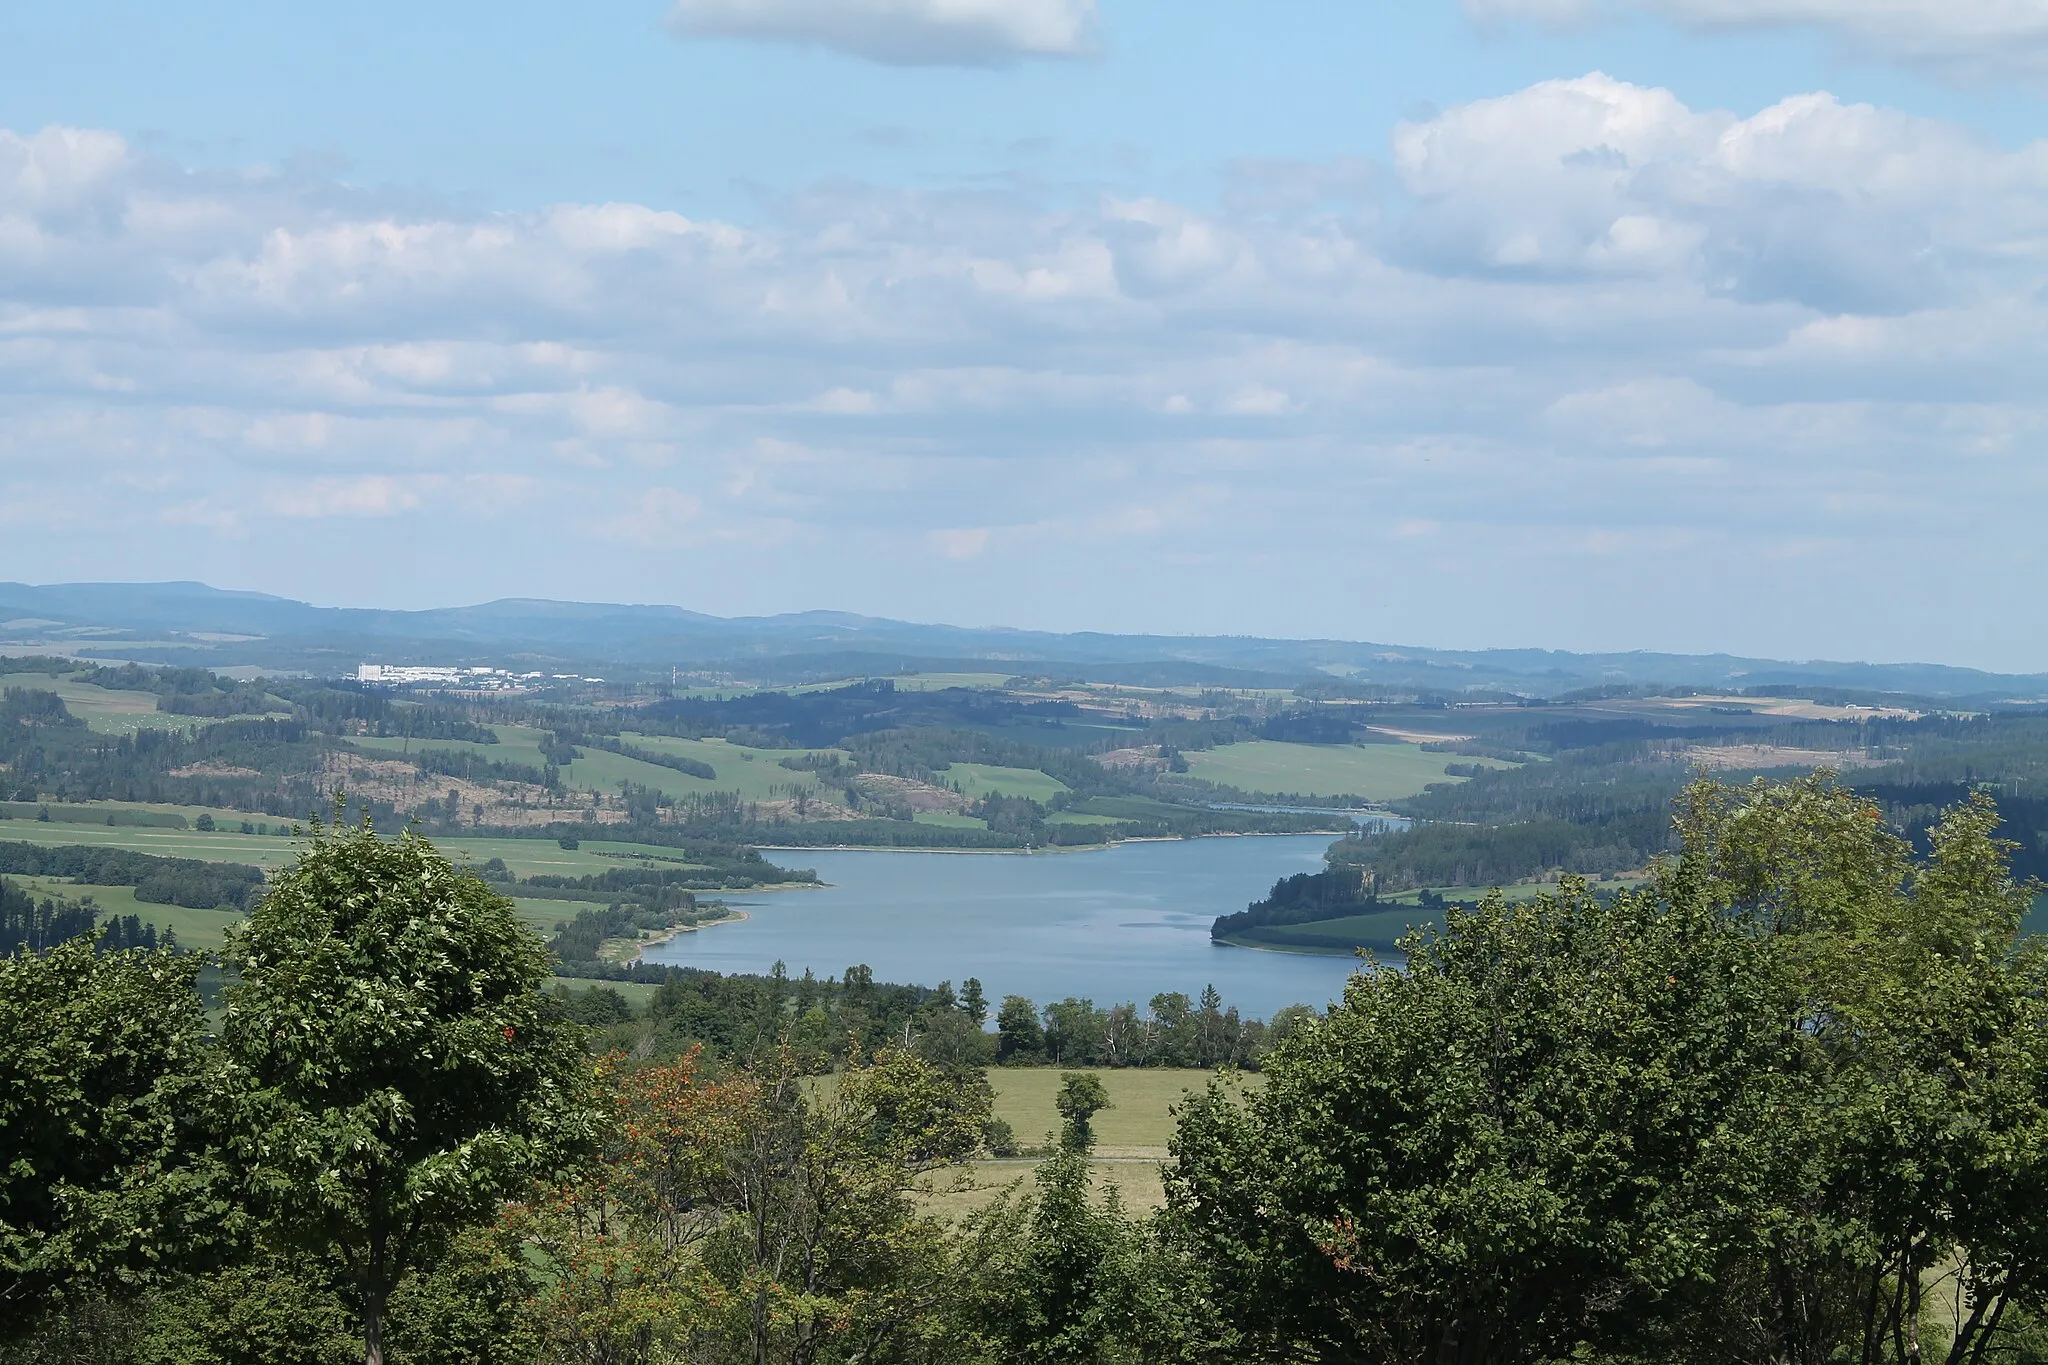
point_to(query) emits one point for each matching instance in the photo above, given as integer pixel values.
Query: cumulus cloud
(1579, 315)
(903, 32)
(1964, 40)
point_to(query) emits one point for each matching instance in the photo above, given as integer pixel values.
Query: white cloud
(1580, 309)
(1964, 40)
(372, 496)
(903, 32)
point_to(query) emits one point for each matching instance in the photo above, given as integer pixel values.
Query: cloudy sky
(1676, 324)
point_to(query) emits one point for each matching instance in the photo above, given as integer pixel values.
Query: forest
(1787, 1102)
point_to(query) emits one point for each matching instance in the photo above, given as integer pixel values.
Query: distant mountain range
(193, 624)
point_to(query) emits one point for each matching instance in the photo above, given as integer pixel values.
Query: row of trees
(1788, 1105)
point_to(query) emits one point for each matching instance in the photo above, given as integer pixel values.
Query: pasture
(524, 857)
(946, 819)
(976, 780)
(1367, 772)
(756, 774)
(1130, 1137)
(1137, 1125)
(516, 744)
(201, 929)
(104, 711)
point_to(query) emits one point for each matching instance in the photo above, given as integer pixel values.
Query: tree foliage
(394, 1073)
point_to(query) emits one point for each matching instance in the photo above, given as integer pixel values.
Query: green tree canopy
(1788, 1101)
(395, 1072)
(1081, 1097)
(102, 1181)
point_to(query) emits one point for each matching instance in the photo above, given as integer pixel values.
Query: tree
(1081, 1097)
(822, 1253)
(1530, 1139)
(1018, 1035)
(104, 1183)
(395, 1073)
(1787, 1103)
(973, 1002)
(1909, 1163)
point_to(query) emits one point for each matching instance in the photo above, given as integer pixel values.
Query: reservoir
(1117, 924)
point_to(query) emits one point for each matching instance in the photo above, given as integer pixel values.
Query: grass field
(1130, 1136)
(220, 847)
(637, 993)
(956, 1192)
(1138, 1122)
(104, 712)
(201, 929)
(934, 682)
(1369, 772)
(525, 857)
(946, 819)
(979, 779)
(542, 916)
(755, 774)
(1129, 808)
(516, 744)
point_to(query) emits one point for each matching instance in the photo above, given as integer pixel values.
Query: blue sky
(1684, 324)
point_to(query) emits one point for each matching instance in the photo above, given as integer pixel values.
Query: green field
(516, 744)
(1128, 808)
(1138, 1125)
(202, 929)
(1130, 1137)
(219, 847)
(979, 779)
(946, 819)
(542, 916)
(756, 774)
(525, 857)
(637, 993)
(1369, 772)
(104, 712)
(935, 682)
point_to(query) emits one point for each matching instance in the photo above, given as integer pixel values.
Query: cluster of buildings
(463, 679)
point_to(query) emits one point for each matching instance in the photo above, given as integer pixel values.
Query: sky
(1686, 325)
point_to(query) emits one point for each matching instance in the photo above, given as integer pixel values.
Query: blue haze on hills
(194, 624)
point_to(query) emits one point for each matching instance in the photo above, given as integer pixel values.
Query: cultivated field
(1370, 772)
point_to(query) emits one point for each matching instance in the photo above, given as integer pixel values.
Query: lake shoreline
(1053, 848)
(662, 936)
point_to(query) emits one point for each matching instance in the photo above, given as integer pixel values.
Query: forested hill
(190, 623)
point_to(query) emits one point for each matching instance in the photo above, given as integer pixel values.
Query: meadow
(524, 857)
(1130, 1136)
(516, 744)
(104, 712)
(1368, 772)
(977, 780)
(201, 929)
(756, 774)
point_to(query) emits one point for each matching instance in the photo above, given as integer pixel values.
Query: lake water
(1111, 925)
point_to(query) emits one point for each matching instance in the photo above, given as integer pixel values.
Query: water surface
(1116, 924)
